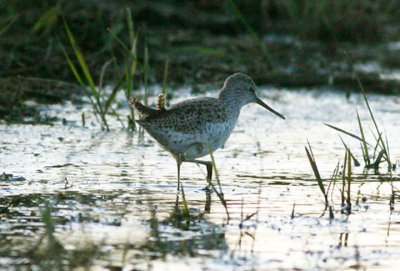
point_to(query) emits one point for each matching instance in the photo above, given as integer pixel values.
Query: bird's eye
(252, 89)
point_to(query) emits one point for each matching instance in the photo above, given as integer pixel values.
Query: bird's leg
(207, 207)
(178, 163)
(208, 165)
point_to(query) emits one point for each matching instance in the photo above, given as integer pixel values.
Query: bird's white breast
(212, 137)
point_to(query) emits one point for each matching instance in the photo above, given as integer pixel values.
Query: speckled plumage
(192, 128)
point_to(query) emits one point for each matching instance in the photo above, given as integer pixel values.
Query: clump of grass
(380, 143)
(93, 94)
(380, 150)
(100, 102)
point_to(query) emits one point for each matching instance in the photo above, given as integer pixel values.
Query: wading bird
(194, 128)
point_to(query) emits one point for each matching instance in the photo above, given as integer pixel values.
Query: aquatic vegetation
(100, 100)
(314, 166)
(381, 149)
(95, 26)
(380, 155)
(91, 199)
(112, 203)
(93, 93)
(131, 66)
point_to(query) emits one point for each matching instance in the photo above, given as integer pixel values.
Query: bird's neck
(230, 99)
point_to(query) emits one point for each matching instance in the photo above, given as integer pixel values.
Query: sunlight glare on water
(117, 191)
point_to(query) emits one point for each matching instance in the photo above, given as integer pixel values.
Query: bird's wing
(190, 116)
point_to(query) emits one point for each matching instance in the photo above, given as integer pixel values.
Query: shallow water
(112, 195)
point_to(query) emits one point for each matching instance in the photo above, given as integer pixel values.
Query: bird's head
(241, 88)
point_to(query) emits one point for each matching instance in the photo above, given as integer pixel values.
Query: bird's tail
(145, 111)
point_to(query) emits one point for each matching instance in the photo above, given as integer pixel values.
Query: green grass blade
(378, 160)
(78, 77)
(342, 196)
(366, 160)
(367, 103)
(377, 143)
(356, 162)
(79, 57)
(87, 75)
(388, 159)
(348, 179)
(82, 63)
(73, 68)
(131, 30)
(102, 73)
(382, 145)
(363, 142)
(333, 179)
(316, 174)
(315, 170)
(48, 18)
(347, 133)
(113, 94)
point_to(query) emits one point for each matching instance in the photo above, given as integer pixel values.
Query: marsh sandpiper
(193, 128)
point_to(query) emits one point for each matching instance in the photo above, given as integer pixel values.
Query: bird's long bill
(269, 108)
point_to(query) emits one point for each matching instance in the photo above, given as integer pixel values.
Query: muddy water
(113, 201)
